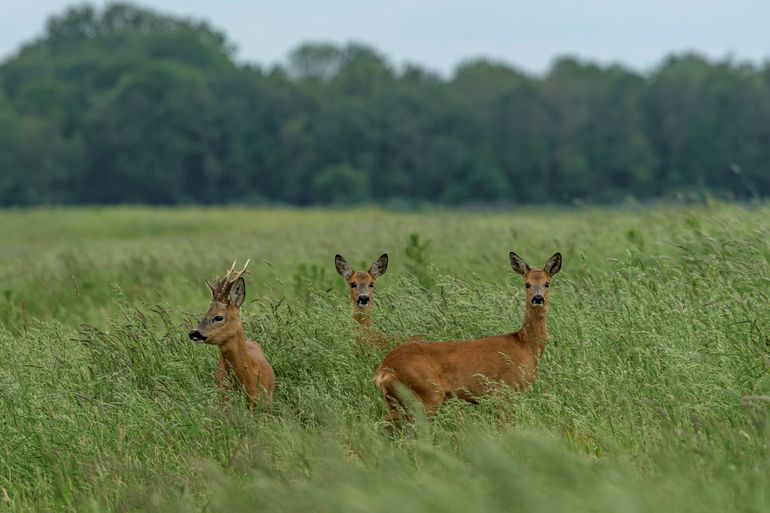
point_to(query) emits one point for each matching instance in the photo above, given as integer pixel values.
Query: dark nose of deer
(538, 300)
(196, 336)
(363, 300)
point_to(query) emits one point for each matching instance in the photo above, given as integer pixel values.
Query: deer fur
(436, 371)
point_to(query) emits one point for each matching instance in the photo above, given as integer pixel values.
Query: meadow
(653, 393)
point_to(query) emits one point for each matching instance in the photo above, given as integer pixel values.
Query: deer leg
(257, 394)
(432, 401)
(395, 409)
(431, 395)
(265, 396)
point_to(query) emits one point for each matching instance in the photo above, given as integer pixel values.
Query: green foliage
(417, 260)
(651, 393)
(308, 278)
(340, 185)
(125, 105)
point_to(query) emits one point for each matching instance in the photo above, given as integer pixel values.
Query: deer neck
(361, 316)
(535, 329)
(234, 351)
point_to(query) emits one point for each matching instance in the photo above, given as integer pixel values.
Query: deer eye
(353, 285)
(527, 285)
(219, 318)
(371, 285)
(547, 284)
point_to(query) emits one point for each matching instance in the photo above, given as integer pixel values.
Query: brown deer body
(242, 362)
(436, 371)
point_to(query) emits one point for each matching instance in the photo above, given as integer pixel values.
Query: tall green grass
(652, 394)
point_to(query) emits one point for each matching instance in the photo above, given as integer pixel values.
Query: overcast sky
(441, 33)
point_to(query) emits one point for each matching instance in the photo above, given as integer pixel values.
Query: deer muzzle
(197, 336)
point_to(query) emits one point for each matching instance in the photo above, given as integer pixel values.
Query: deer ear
(553, 265)
(379, 266)
(238, 292)
(518, 264)
(343, 267)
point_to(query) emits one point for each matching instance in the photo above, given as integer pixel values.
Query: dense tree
(124, 105)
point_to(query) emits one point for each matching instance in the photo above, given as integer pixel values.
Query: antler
(233, 277)
(220, 291)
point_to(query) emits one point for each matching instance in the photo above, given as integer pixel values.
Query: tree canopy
(125, 105)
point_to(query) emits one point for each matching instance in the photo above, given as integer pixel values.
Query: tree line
(124, 105)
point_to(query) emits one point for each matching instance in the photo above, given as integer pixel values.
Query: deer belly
(485, 378)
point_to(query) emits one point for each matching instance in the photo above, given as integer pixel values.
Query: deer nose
(196, 336)
(363, 300)
(538, 300)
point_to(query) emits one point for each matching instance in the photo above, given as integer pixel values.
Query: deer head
(536, 281)
(223, 317)
(361, 283)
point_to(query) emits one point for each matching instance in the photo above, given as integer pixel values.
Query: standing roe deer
(437, 371)
(243, 362)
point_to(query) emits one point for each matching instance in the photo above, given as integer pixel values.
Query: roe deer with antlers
(243, 363)
(436, 371)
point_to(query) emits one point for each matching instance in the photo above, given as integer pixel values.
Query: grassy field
(653, 393)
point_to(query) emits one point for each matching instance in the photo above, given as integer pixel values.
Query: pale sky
(439, 34)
